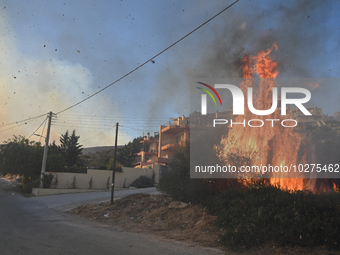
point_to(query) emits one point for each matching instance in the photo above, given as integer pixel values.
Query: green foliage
(98, 160)
(142, 182)
(108, 183)
(30, 184)
(258, 215)
(20, 156)
(73, 169)
(74, 183)
(177, 183)
(90, 183)
(55, 163)
(55, 183)
(24, 180)
(118, 166)
(53, 148)
(128, 154)
(47, 180)
(70, 148)
(153, 176)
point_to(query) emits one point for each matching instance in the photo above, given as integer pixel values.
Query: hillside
(99, 148)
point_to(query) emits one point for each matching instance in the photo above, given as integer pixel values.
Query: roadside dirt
(158, 214)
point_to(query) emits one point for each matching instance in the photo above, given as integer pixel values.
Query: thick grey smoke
(302, 31)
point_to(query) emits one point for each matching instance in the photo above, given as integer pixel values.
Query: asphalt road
(34, 226)
(67, 202)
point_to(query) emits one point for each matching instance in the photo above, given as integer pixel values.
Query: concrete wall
(100, 178)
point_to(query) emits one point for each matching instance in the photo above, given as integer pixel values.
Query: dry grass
(151, 213)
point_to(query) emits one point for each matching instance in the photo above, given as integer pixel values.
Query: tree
(53, 148)
(128, 154)
(55, 163)
(70, 148)
(177, 183)
(20, 156)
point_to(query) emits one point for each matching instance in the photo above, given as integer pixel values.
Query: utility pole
(114, 166)
(43, 167)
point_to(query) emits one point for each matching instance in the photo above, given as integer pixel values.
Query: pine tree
(70, 148)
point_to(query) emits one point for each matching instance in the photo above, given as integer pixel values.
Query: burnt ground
(160, 215)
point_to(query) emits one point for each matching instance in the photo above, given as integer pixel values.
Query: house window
(179, 138)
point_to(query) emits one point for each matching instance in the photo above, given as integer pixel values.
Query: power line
(105, 127)
(19, 121)
(43, 130)
(95, 116)
(106, 117)
(146, 129)
(97, 124)
(18, 125)
(37, 128)
(96, 135)
(151, 59)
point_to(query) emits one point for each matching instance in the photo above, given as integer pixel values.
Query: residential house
(317, 118)
(149, 152)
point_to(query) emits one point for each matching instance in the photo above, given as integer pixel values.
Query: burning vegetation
(275, 145)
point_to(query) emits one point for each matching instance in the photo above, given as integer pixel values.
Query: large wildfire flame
(275, 145)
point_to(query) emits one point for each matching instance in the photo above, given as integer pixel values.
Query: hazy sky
(56, 53)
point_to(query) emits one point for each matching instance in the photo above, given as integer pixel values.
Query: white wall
(100, 178)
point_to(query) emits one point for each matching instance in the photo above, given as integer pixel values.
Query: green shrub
(90, 183)
(30, 184)
(142, 182)
(55, 163)
(118, 167)
(56, 181)
(74, 169)
(108, 183)
(74, 183)
(177, 183)
(257, 215)
(47, 181)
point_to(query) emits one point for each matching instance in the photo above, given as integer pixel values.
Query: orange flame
(265, 67)
(314, 85)
(277, 146)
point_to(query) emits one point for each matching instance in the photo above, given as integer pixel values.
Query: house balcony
(171, 144)
(148, 153)
(174, 129)
(163, 160)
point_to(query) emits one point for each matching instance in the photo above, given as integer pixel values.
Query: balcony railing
(169, 141)
(176, 123)
(173, 141)
(152, 151)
